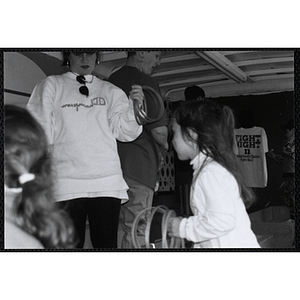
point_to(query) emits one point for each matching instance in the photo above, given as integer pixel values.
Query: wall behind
(20, 77)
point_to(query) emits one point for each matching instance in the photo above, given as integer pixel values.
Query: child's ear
(192, 134)
(192, 141)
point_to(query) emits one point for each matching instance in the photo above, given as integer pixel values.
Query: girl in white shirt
(203, 133)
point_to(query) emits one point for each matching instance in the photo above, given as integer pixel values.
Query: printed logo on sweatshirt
(99, 101)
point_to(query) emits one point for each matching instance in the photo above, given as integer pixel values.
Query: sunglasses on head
(83, 89)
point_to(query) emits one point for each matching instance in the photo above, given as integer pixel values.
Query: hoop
(141, 113)
(166, 215)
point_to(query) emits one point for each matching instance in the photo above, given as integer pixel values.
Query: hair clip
(26, 177)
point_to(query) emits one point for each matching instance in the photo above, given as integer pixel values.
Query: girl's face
(185, 148)
(82, 63)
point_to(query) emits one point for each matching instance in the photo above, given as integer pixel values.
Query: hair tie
(12, 190)
(26, 178)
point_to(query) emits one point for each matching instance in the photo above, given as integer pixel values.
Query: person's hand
(278, 158)
(173, 226)
(137, 94)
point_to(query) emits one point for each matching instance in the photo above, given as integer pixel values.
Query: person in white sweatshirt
(82, 117)
(203, 132)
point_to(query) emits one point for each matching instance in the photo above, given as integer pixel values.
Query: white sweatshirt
(82, 133)
(220, 219)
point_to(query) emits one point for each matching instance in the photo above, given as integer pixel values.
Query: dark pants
(103, 215)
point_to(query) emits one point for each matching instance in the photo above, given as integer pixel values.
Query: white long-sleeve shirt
(220, 219)
(82, 133)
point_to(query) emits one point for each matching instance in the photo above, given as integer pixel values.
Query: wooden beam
(183, 70)
(234, 89)
(264, 61)
(198, 80)
(222, 63)
(272, 71)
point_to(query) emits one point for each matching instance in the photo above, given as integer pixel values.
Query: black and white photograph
(149, 150)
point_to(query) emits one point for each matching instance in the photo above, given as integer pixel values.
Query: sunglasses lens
(80, 79)
(84, 90)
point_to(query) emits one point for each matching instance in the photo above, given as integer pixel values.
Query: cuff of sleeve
(130, 103)
(182, 228)
(131, 114)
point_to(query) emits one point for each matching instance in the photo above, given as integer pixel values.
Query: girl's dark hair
(26, 151)
(214, 125)
(66, 55)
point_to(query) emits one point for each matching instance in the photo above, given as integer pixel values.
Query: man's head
(194, 93)
(289, 128)
(145, 61)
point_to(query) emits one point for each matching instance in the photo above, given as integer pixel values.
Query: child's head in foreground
(27, 174)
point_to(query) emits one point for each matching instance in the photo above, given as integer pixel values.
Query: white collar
(197, 161)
